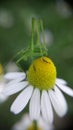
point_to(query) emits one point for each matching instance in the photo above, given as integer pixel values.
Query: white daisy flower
(10, 67)
(27, 124)
(40, 88)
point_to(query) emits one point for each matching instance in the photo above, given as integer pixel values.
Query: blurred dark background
(15, 33)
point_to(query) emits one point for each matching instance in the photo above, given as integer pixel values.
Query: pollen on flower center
(42, 73)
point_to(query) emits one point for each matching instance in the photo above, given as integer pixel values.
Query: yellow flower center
(32, 127)
(42, 73)
(1, 69)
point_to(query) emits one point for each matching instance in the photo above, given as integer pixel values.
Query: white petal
(44, 125)
(61, 81)
(23, 124)
(21, 101)
(46, 107)
(12, 82)
(26, 121)
(66, 89)
(2, 86)
(17, 126)
(35, 105)
(14, 88)
(14, 75)
(58, 101)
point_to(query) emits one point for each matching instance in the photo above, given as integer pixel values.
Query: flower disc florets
(42, 73)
